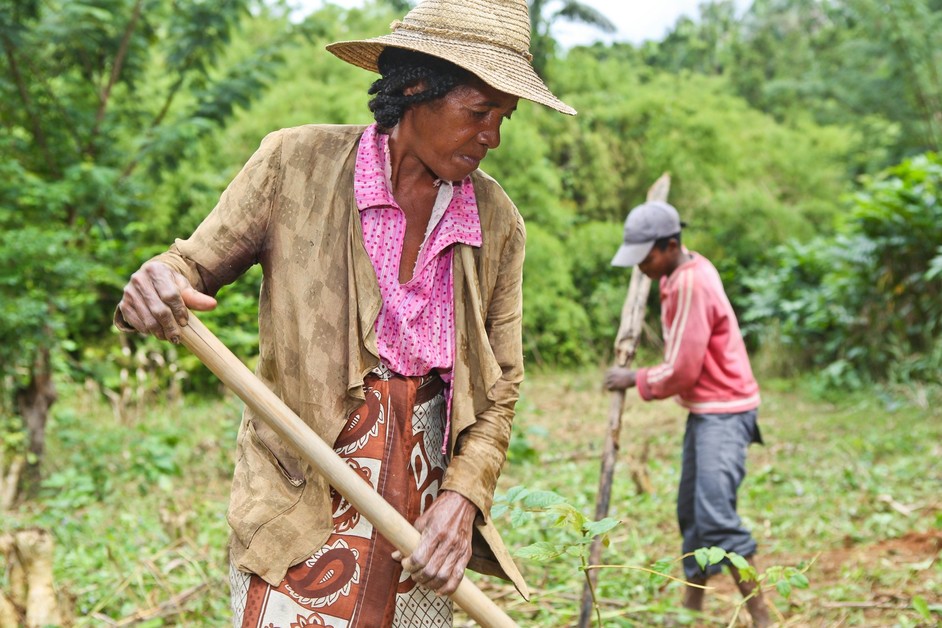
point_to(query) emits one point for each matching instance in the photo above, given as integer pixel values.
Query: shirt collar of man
(372, 188)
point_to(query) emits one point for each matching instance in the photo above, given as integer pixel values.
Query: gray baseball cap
(645, 224)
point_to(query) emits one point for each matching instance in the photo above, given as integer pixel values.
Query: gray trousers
(714, 465)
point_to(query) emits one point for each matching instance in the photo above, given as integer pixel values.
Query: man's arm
(686, 346)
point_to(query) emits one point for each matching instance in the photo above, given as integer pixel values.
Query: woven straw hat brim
(500, 68)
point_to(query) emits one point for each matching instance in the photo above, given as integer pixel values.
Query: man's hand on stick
(619, 378)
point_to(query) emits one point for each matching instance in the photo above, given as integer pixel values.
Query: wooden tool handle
(271, 409)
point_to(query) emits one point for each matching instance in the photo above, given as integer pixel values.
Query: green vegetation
(862, 64)
(865, 304)
(101, 102)
(802, 138)
(845, 492)
(848, 488)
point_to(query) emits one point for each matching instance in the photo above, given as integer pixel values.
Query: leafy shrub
(867, 303)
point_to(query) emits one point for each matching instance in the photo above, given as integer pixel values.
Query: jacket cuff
(464, 477)
(641, 381)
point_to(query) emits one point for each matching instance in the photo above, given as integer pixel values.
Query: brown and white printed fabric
(393, 441)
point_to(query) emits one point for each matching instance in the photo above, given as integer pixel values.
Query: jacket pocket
(262, 489)
(281, 453)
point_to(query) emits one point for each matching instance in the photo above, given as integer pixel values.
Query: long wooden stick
(626, 345)
(271, 409)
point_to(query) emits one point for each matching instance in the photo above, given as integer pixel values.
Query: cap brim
(632, 254)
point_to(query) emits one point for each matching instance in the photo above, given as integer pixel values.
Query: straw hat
(489, 38)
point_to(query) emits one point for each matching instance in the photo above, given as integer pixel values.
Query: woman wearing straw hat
(389, 320)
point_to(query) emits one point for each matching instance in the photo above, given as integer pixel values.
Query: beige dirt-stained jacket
(292, 210)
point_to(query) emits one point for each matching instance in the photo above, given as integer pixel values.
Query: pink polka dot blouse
(415, 329)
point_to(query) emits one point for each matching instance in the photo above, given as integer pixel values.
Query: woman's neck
(407, 171)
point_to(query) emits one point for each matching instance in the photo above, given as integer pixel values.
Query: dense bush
(556, 327)
(102, 104)
(866, 303)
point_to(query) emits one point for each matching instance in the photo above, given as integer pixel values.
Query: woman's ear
(414, 89)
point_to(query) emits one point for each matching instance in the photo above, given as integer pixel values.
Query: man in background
(706, 369)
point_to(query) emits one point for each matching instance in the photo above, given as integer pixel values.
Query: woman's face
(450, 136)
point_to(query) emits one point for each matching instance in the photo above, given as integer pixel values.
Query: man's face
(660, 263)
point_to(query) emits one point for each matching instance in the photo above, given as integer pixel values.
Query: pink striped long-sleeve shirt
(706, 367)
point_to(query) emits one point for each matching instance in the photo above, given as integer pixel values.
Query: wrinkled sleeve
(481, 448)
(231, 238)
(686, 346)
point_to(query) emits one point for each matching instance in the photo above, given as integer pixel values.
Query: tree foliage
(100, 101)
(115, 141)
(744, 180)
(866, 64)
(545, 13)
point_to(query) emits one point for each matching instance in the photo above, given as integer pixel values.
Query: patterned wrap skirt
(394, 441)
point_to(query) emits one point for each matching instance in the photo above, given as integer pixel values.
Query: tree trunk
(33, 402)
(11, 468)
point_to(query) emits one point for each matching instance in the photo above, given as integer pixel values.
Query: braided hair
(401, 69)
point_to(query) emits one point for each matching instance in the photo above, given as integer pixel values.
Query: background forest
(801, 137)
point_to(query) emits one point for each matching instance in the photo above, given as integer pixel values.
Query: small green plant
(783, 578)
(523, 504)
(922, 607)
(578, 531)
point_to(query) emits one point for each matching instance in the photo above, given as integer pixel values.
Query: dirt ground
(911, 548)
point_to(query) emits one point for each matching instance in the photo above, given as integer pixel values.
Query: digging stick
(271, 409)
(626, 345)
